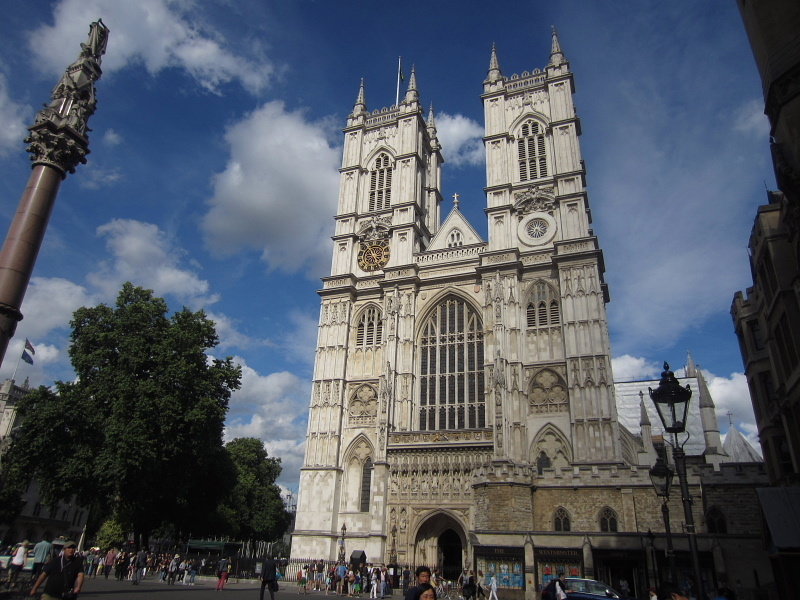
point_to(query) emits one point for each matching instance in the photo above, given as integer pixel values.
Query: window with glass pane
(451, 368)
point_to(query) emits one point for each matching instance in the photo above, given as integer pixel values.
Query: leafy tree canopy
(139, 432)
(254, 509)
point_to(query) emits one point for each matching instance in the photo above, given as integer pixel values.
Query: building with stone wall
(463, 411)
(767, 315)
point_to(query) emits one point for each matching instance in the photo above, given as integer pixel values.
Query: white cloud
(731, 394)
(160, 34)
(49, 304)
(272, 408)
(630, 368)
(12, 116)
(278, 191)
(461, 139)
(750, 119)
(112, 138)
(94, 177)
(228, 334)
(146, 256)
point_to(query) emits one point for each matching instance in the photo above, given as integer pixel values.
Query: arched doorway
(450, 555)
(441, 543)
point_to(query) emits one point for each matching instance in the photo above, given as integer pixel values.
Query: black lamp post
(342, 555)
(661, 476)
(672, 404)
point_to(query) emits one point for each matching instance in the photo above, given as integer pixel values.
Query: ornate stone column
(57, 143)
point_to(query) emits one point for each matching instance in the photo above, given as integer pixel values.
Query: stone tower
(450, 370)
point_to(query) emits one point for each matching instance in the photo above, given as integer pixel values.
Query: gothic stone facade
(462, 388)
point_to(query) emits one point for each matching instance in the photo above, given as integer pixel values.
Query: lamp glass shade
(661, 477)
(671, 401)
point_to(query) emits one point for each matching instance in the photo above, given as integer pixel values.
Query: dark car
(589, 589)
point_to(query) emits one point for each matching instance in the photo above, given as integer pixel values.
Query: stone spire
(644, 419)
(648, 454)
(556, 55)
(431, 126)
(360, 105)
(691, 369)
(708, 418)
(494, 73)
(411, 93)
(739, 449)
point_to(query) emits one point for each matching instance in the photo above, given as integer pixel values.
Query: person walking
(222, 573)
(17, 564)
(108, 561)
(480, 585)
(64, 575)
(492, 587)
(269, 577)
(139, 566)
(41, 556)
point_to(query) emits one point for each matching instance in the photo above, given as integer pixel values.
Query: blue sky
(216, 142)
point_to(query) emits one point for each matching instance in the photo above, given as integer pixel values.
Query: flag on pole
(29, 347)
(27, 357)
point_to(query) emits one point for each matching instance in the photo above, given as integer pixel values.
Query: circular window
(536, 229)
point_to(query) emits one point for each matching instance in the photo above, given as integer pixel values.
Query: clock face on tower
(373, 255)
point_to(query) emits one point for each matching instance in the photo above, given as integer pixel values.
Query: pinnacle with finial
(494, 73)
(556, 55)
(361, 105)
(455, 201)
(411, 93)
(431, 122)
(412, 81)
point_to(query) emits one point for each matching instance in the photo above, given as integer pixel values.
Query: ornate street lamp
(661, 477)
(672, 403)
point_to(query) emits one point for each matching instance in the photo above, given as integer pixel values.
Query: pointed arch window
(370, 329)
(561, 520)
(608, 520)
(366, 484)
(455, 239)
(531, 151)
(380, 183)
(543, 310)
(451, 368)
(715, 521)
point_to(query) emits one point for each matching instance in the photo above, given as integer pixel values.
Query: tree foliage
(139, 432)
(254, 509)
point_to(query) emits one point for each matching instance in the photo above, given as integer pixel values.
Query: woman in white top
(16, 564)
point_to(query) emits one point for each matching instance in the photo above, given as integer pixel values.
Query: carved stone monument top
(58, 134)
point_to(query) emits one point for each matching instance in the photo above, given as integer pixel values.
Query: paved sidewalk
(99, 588)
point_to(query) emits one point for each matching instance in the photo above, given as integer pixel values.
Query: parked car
(589, 589)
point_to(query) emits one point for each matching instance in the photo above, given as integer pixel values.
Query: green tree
(110, 535)
(254, 509)
(138, 434)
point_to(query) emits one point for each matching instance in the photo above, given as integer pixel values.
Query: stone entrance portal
(441, 543)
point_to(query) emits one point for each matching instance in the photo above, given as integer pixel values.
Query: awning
(781, 508)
